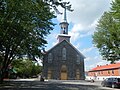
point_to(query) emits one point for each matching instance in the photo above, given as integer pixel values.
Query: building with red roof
(103, 71)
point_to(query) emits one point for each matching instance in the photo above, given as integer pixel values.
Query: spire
(64, 24)
(65, 16)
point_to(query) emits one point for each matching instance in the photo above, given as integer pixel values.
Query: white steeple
(64, 27)
(64, 24)
(64, 15)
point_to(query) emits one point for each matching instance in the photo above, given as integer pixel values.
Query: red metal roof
(107, 66)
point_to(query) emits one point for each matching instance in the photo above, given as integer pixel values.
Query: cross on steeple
(64, 16)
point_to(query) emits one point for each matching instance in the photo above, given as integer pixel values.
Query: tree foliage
(26, 68)
(24, 24)
(107, 36)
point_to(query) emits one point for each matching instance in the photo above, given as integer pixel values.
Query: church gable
(64, 50)
(69, 46)
(77, 51)
(65, 43)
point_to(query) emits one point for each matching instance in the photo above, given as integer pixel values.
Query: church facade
(63, 61)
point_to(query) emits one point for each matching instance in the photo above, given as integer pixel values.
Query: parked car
(111, 82)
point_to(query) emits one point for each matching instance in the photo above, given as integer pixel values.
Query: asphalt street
(35, 84)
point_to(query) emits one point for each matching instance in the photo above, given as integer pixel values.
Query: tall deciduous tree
(24, 24)
(26, 68)
(23, 27)
(107, 36)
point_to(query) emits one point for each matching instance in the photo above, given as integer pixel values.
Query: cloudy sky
(82, 22)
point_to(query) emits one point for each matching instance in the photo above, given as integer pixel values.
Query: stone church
(63, 61)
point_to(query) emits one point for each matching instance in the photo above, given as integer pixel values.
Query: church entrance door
(63, 76)
(63, 72)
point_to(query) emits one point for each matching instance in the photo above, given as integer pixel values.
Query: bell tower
(64, 27)
(64, 24)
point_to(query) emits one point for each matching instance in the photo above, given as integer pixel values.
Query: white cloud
(74, 36)
(87, 59)
(86, 34)
(85, 16)
(77, 46)
(90, 63)
(86, 50)
(86, 12)
(77, 28)
(93, 61)
(78, 32)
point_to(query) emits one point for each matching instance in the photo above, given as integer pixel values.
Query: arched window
(78, 59)
(64, 53)
(50, 58)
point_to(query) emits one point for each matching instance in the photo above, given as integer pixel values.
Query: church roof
(69, 44)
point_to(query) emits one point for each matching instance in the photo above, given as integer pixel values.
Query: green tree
(24, 24)
(107, 35)
(26, 68)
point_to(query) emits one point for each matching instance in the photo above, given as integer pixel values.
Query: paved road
(30, 84)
